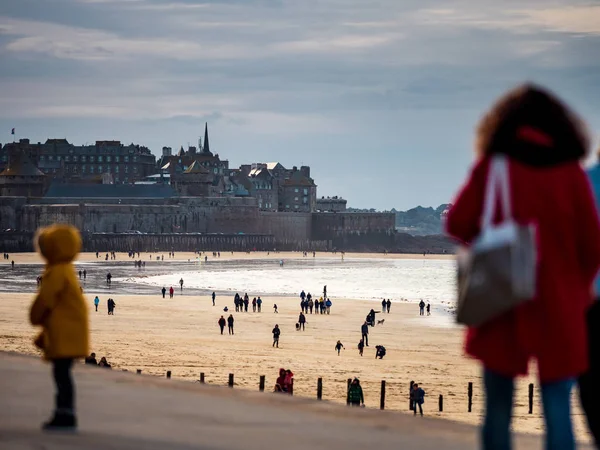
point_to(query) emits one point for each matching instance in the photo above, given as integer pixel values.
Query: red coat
(552, 327)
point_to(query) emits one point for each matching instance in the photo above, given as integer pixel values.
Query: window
(99, 169)
(296, 190)
(305, 191)
(108, 158)
(135, 159)
(91, 169)
(58, 158)
(99, 158)
(135, 169)
(67, 158)
(74, 169)
(42, 158)
(126, 170)
(117, 158)
(92, 159)
(116, 169)
(305, 200)
(83, 169)
(295, 206)
(83, 158)
(126, 158)
(50, 158)
(287, 206)
(295, 199)
(215, 171)
(116, 179)
(75, 158)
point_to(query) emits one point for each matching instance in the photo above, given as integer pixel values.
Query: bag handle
(498, 184)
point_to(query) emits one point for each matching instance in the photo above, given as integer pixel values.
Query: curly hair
(529, 117)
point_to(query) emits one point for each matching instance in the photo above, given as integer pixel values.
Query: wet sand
(181, 335)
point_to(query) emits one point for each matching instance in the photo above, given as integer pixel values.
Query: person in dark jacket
(544, 144)
(389, 305)
(164, 291)
(380, 351)
(361, 347)
(104, 363)
(383, 305)
(111, 306)
(365, 333)
(214, 296)
(222, 323)
(276, 334)
(355, 393)
(91, 360)
(421, 308)
(230, 323)
(339, 346)
(302, 321)
(417, 397)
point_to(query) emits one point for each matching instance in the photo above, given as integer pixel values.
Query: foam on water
(370, 279)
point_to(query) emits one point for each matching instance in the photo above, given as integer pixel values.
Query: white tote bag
(498, 271)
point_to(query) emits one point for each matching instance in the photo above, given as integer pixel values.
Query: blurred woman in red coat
(544, 143)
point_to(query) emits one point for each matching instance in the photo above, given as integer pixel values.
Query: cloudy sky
(379, 97)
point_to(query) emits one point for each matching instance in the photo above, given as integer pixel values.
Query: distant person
(181, 284)
(355, 394)
(246, 302)
(421, 308)
(275, 308)
(302, 321)
(80, 274)
(417, 397)
(104, 363)
(383, 305)
(108, 278)
(325, 291)
(361, 347)
(84, 274)
(206, 259)
(96, 302)
(164, 291)
(171, 292)
(230, 324)
(302, 295)
(214, 296)
(316, 306)
(365, 333)
(60, 309)
(254, 304)
(428, 308)
(111, 306)
(311, 304)
(276, 334)
(91, 360)
(328, 306)
(226, 309)
(12, 264)
(544, 144)
(280, 382)
(222, 323)
(339, 346)
(389, 305)
(259, 303)
(380, 351)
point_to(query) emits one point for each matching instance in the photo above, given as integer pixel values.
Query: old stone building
(21, 178)
(58, 158)
(298, 192)
(331, 204)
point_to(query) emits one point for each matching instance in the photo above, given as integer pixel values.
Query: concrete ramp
(126, 411)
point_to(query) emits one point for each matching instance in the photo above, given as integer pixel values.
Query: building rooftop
(20, 164)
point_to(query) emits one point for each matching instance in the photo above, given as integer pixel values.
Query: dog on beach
(380, 322)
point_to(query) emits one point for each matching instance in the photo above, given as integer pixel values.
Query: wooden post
(230, 384)
(348, 391)
(470, 393)
(410, 402)
(139, 371)
(261, 384)
(320, 389)
(202, 377)
(531, 398)
(168, 374)
(441, 403)
(382, 401)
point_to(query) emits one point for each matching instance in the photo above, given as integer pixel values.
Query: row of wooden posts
(261, 388)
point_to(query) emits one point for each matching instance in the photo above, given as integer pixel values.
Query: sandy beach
(181, 335)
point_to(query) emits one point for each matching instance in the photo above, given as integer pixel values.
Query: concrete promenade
(126, 411)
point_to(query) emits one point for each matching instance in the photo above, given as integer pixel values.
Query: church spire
(206, 148)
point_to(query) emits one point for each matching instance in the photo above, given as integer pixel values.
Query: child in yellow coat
(61, 311)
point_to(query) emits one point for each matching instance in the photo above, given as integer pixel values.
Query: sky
(379, 97)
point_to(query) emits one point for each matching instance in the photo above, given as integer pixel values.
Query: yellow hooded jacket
(59, 306)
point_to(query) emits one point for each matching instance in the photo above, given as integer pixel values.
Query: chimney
(167, 151)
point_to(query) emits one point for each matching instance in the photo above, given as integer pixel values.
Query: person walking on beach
(213, 297)
(60, 309)
(428, 308)
(339, 346)
(222, 323)
(164, 291)
(302, 321)
(246, 302)
(543, 144)
(275, 308)
(171, 292)
(254, 304)
(417, 397)
(325, 291)
(111, 306)
(80, 273)
(389, 305)
(361, 347)
(236, 302)
(383, 305)
(12, 264)
(181, 284)
(355, 394)
(311, 304)
(108, 278)
(230, 323)
(328, 306)
(365, 333)
(276, 334)
(421, 308)
(96, 302)
(302, 295)
(316, 306)
(84, 274)
(259, 303)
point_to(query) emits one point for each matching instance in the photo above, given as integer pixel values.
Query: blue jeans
(498, 413)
